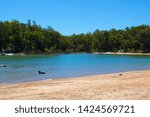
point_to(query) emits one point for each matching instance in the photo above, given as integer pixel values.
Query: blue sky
(78, 16)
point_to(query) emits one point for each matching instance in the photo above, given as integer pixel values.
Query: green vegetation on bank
(32, 38)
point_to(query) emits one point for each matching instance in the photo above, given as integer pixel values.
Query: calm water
(25, 68)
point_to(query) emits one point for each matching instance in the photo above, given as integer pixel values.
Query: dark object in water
(41, 72)
(2, 65)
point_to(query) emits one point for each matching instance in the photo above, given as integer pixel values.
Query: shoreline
(121, 53)
(65, 78)
(122, 85)
(107, 53)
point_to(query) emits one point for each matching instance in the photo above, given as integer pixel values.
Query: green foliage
(32, 38)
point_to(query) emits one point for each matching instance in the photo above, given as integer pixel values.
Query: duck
(2, 65)
(40, 72)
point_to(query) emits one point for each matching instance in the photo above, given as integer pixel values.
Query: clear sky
(78, 16)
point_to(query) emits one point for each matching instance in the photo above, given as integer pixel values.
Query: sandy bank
(126, 85)
(122, 53)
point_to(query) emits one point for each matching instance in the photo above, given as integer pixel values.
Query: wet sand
(126, 85)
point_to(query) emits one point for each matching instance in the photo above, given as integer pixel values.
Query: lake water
(25, 68)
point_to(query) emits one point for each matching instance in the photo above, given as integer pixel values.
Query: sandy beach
(122, 53)
(125, 85)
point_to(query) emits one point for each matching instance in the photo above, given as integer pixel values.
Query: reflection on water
(25, 68)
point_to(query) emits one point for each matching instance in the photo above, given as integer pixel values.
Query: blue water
(25, 68)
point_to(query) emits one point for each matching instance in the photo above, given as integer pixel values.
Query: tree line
(30, 37)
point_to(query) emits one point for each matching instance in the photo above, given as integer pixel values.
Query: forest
(30, 37)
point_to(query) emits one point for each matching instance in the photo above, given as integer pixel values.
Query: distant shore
(121, 53)
(125, 85)
(107, 53)
(11, 54)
